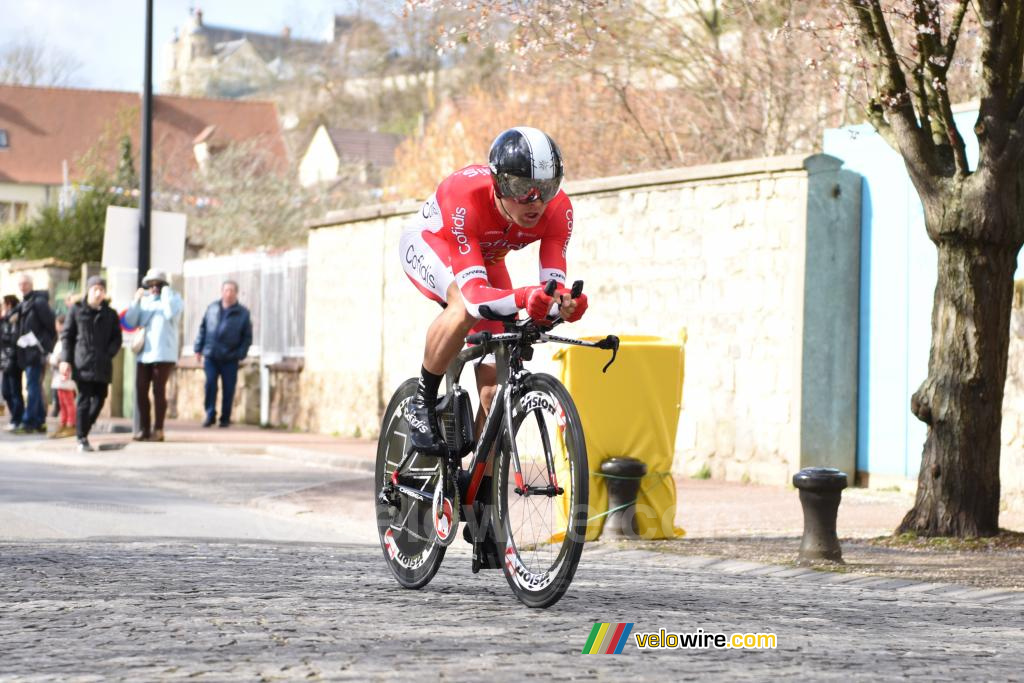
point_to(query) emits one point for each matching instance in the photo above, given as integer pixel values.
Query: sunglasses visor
(526, 190)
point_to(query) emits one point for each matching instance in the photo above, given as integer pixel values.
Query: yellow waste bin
(631, 411)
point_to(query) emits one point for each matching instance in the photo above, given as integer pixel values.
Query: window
(3, 138)
(12, 212)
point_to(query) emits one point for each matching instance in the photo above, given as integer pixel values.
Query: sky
(108, 36)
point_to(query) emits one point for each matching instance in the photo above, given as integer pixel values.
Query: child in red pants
(66, 389)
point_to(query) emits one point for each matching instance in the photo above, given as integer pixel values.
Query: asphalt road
(107, 575)
(144, 491)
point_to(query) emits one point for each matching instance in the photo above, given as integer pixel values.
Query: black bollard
(820, 491)
(623, 477)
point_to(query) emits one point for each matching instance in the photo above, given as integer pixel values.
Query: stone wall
(48, 274)
(737, 254)
(186, 388)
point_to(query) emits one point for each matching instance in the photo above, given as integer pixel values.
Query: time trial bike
(524, 494)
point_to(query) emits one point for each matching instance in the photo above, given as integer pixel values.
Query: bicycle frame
(508, 350)
(500, 408)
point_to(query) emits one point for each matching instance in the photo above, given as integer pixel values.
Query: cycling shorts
(426, 262)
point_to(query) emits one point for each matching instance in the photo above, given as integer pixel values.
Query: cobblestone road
(224, 610)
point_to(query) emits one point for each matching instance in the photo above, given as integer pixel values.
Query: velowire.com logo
(607, 639)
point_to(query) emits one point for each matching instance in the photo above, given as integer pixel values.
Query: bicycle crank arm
(549, 491)
(397, 528)
(418, 494)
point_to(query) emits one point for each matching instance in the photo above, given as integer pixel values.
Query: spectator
(55, 411)
(9, 363)
(90, 341)
(224, 339)
(158, 311)
(63, 387)
(37, 335)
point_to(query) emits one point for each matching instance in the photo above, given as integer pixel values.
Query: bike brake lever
(611, 342)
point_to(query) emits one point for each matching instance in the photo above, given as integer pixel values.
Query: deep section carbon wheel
(540, 514)
(405, 522)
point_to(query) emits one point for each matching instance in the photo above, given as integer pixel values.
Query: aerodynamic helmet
(526, 165)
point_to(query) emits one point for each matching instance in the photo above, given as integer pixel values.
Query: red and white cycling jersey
(460, 235)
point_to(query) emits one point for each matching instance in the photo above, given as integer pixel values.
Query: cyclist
(454, 252)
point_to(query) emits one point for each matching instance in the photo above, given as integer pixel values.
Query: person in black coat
(224, 338)
(37, 335)
(9, 361)
(90, 340)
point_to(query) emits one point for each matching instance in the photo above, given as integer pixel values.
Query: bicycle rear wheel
(406, 528)
(542, 532)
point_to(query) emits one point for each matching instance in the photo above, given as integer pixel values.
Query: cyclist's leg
(486, 373)
(426, 262)
(447, 334)
(487, 386)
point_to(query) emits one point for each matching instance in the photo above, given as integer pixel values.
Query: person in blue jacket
(157, 308)
(225, 335)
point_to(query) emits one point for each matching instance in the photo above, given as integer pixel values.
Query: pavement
(144, 610)
(248, 554)
(724, 520)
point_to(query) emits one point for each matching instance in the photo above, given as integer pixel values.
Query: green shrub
(75, 237)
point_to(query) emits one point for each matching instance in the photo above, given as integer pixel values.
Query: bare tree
(31, 62)
(677, 71)
(241, 198)
(603, 140)
(911, 53)
(916, 56)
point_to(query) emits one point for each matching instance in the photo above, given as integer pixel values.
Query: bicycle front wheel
(540, 512)
(405, 524)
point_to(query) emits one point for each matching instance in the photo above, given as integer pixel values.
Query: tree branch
(926, 16)
(894, 96)
(999, 124)
(925, 48)
(954, 31)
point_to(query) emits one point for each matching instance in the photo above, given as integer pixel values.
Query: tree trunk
(961, 399)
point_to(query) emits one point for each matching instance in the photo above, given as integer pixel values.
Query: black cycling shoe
(423, 430)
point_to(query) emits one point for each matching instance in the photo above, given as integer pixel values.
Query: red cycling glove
(535, 301)
(581, 304)
(581, 308)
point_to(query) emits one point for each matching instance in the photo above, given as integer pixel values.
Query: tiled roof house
(41, 129)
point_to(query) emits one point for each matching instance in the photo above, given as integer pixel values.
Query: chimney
(286, 32)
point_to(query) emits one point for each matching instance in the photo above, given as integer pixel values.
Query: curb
(342, 461)
(996, 597)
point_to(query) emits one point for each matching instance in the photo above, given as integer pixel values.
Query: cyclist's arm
(555, 242)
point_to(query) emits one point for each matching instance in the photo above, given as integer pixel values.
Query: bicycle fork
(552, 489)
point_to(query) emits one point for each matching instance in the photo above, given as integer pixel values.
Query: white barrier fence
(272, 285)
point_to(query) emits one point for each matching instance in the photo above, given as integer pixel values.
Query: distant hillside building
(220, 61)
